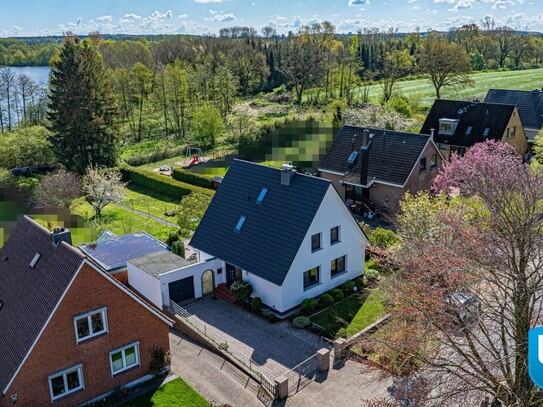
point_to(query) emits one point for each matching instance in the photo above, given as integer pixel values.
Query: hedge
(191, 178)
(160, 183)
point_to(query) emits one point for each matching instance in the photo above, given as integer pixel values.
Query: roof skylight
(34, 259)
(262, 195)
(485, 133)
(240, 223)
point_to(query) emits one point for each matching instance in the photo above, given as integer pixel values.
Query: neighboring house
(457, 125)
(372, 169)
(529, 105)
(69, 332)
(112, 252)
(288, 234)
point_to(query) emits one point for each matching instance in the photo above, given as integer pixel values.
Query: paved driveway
(278, 347)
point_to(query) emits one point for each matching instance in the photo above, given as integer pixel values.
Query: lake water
(39, 74)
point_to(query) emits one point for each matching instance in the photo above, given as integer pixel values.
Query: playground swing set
(196, 154)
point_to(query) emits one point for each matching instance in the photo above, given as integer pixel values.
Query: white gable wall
(145, 284)
(331, 213)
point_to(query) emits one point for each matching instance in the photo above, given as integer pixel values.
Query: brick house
(69, 332)
(529, 104)
(372, 169)
(457, 125)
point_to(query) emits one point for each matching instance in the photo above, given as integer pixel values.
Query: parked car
(464, 305)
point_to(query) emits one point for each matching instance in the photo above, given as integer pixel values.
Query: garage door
(182, 290)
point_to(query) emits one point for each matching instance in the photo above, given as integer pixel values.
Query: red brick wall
(335, 182)
(57, 349)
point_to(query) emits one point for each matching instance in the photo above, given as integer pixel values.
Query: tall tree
(395, 64)
(485, 243)
(82, 108)
(446, 64)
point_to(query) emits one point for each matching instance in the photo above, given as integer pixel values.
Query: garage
(181, 290)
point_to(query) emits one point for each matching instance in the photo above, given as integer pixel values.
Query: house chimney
(287, 173)
(61, 234)
(475, 102)
(432, 133)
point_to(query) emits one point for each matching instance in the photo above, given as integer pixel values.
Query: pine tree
(82, 108)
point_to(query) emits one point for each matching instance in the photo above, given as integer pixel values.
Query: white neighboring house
(289, 234)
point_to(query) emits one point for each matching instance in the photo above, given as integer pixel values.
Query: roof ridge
(279, 169)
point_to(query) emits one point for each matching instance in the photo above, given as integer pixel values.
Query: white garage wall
(196, 270)
(145, 284)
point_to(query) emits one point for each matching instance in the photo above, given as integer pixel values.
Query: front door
(232, 274)
(208, 282)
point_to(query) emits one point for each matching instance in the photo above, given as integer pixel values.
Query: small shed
(162, 277)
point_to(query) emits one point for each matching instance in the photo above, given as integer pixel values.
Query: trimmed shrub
(256, 304)
(371, 274)
(301, 322)
(309, 304)
(191, 178)
(160, 183)
(341, 333)
(172, 237)
(154, 156)
(326, 300)
(241, 290)
(348, 285)
(337, 294)
(383, 238)
(178, 247)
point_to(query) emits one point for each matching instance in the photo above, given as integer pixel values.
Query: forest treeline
(162, 83)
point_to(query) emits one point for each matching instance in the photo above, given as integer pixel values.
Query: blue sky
(42, 17)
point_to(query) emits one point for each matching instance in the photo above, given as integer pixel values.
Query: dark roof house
(458, 125)
(288, 234)
(389, 161)
(49, 292)
(528, 103)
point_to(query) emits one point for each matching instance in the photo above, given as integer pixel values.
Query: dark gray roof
(391, 157)
(159, 262)
(113, 253)
(273, 230)
(528, 103)
(29, 294)
(479, 116)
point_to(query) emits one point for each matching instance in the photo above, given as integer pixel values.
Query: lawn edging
(368, 330)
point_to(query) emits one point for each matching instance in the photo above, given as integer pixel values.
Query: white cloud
(298, 22)
(182, 16)
(208, 1)
(222, 17)
(78, 21)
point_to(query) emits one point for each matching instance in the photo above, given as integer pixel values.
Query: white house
(289, 234)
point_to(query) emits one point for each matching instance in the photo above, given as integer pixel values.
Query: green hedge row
(160, 183)
(191, 178)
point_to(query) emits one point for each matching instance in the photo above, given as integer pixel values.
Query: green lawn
(148, 201)
(354, 314)
(120, 221)
(522, 80)
(176, 393)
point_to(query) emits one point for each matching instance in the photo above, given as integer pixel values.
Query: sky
(54, 17)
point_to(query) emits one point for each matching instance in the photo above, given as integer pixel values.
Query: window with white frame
(90, 324)
(66, 382)
(124, 358)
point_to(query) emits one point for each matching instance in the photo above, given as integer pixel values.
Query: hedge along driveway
(353, 313)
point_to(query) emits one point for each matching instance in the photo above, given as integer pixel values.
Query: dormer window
(447, 126)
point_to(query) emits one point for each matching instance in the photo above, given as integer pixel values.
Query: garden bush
(371, 275)
(241, 290)
(348, 285)
(160, 183)
(191, 178)
(156, 155)
(383, 238)
(337, 294)
(178, 247)
(326, 300)
(256, 304)
(301, 322)
(309, 304)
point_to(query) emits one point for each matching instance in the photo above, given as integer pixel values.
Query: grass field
(353, 313)
(120, 221)
(176, 393)
(148, 201)
(423, 89)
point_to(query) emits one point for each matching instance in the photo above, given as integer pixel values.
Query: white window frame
(64, 373)
(88, 316)
(133, 344)
(447, 126)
